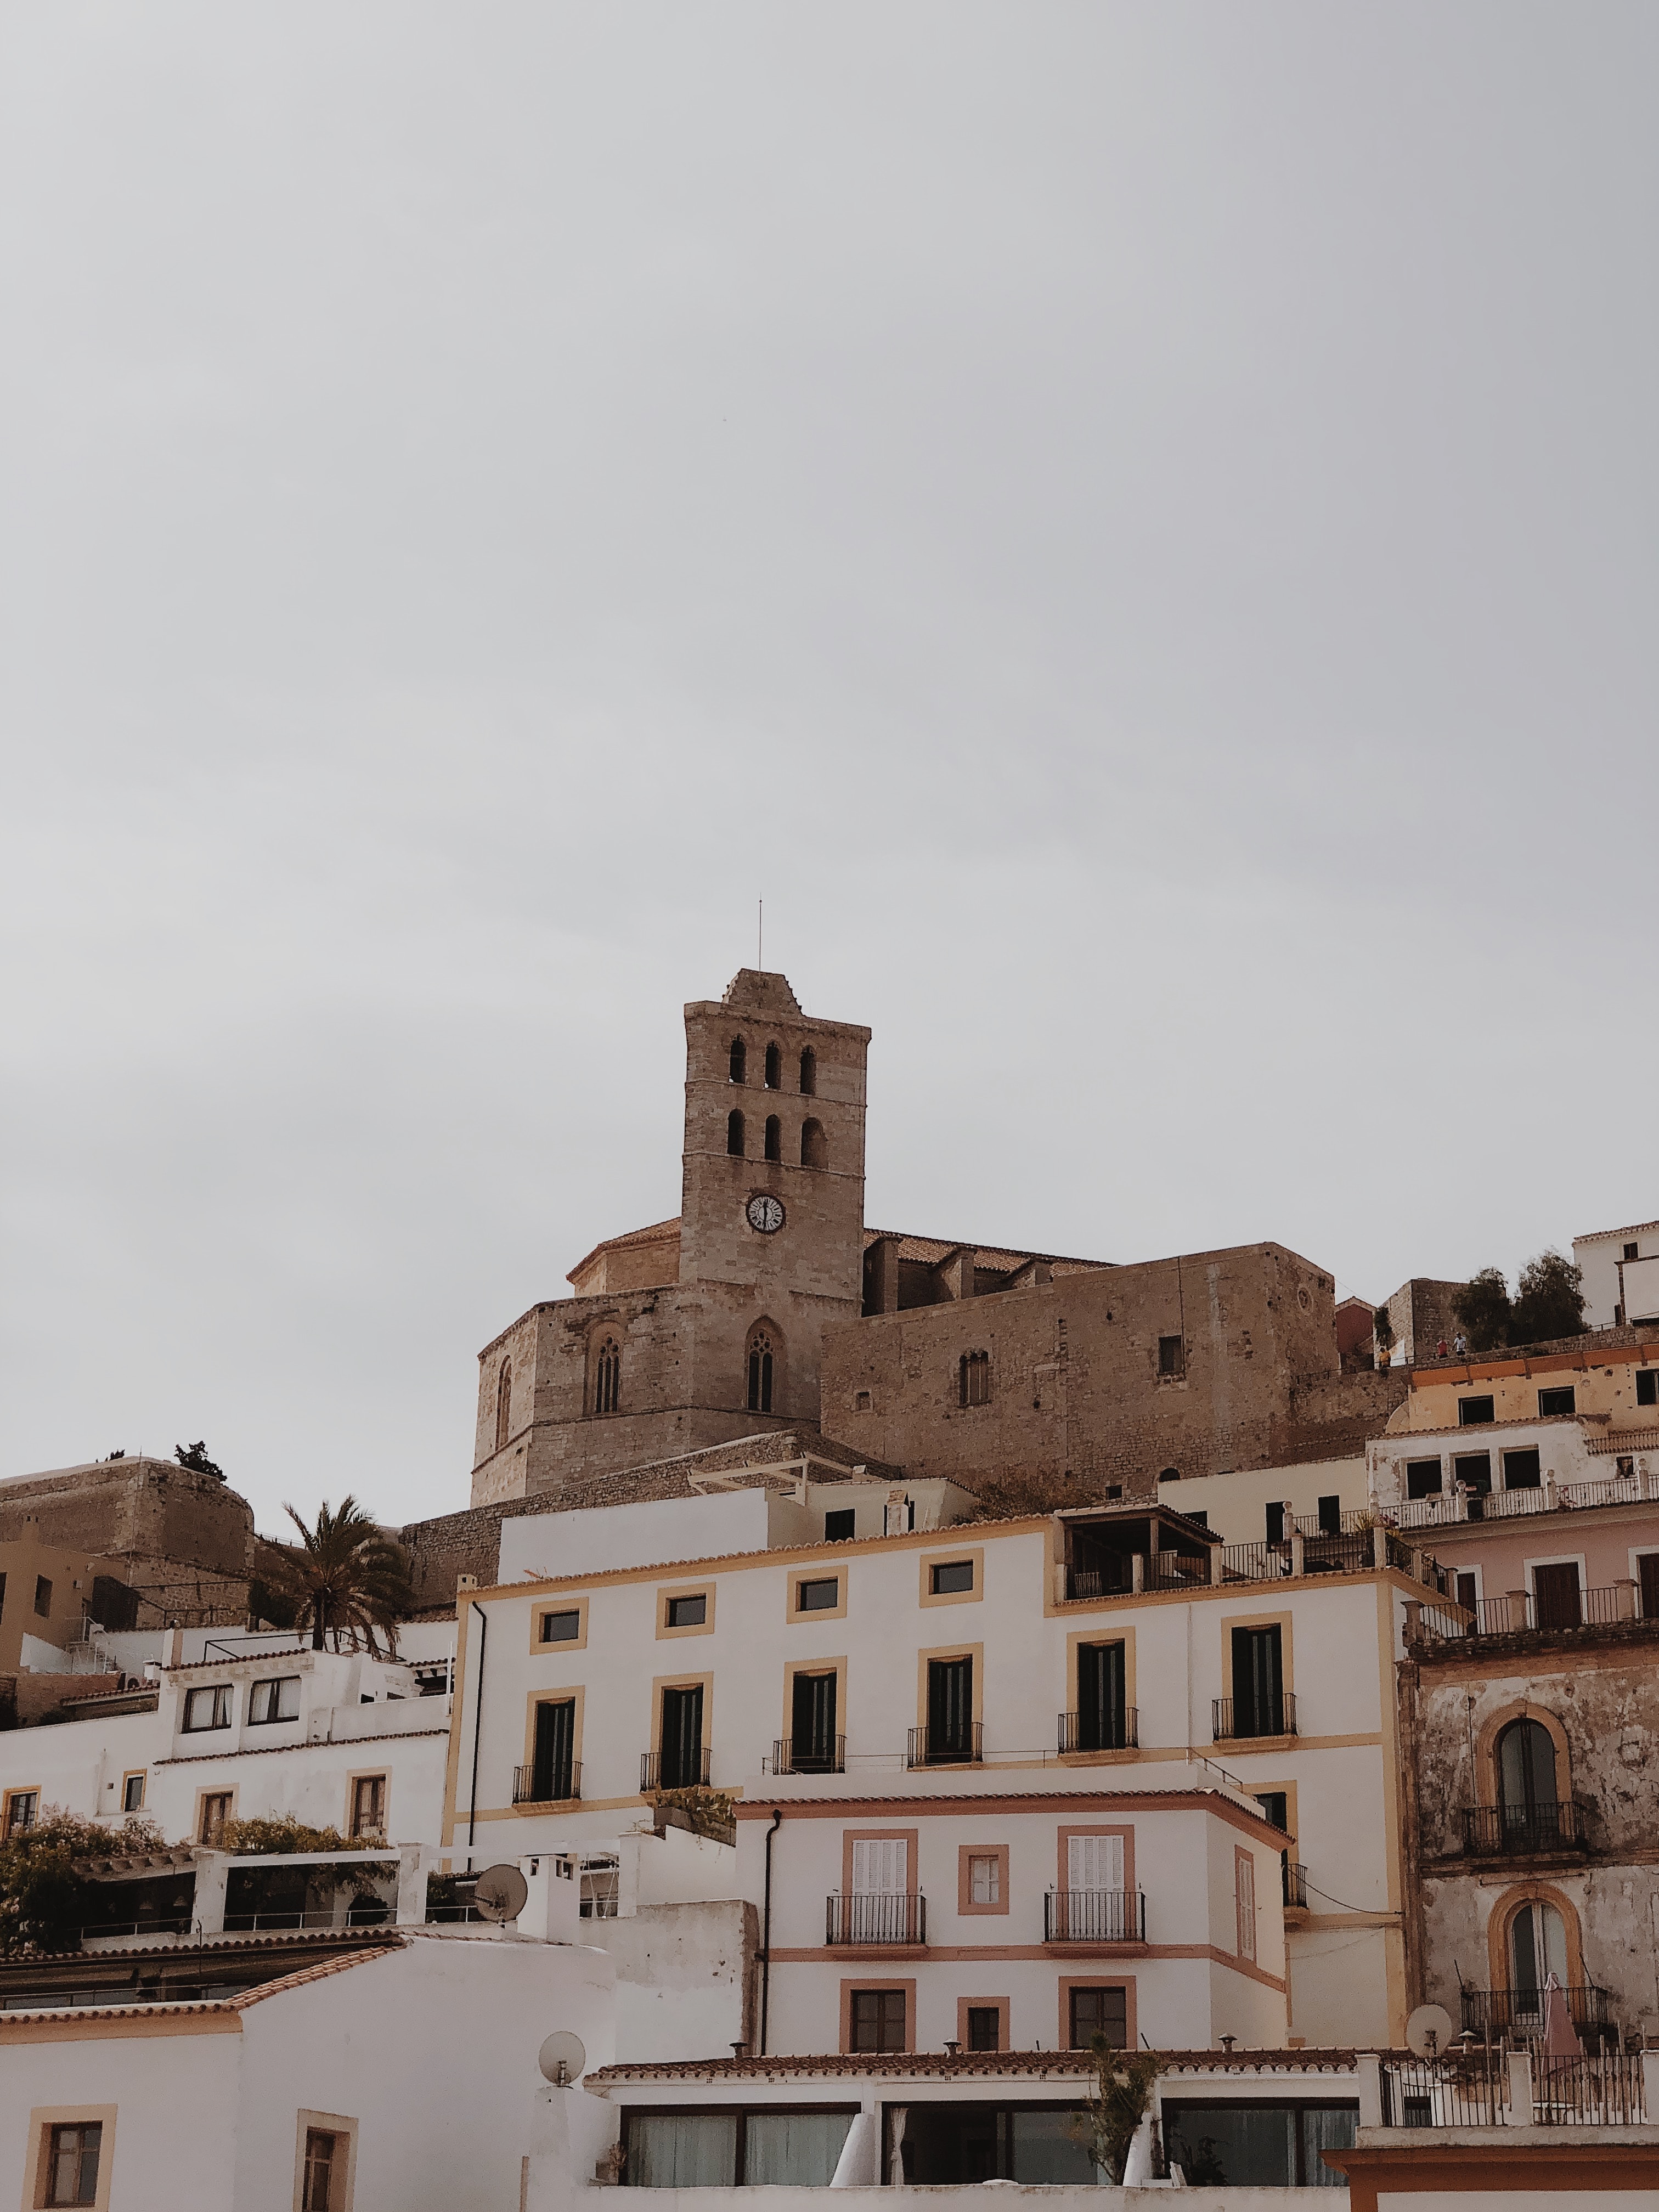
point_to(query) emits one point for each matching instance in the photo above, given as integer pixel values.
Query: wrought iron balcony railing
(1523, 1830)
(1114, 1731)
(1237, 1718)
(1094, 1916)
(675, 1769)
(816, 1755)
(872, 1917)
(547, 1785)
(1295, 1884)
(956, 1747)
(1521, 2012)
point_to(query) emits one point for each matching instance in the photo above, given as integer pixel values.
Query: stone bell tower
(773, 1185)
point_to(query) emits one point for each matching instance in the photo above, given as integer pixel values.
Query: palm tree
(347, 1574)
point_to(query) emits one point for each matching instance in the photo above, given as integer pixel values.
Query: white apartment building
(1620, 1273)
(1107, 1652)
(250, 1726)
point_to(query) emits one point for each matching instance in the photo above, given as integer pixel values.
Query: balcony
(1236, 1720)
(675, 1769)
(1295, 1886)
(547, 1785)
(818, 1755)
(1118, 1731)
(1094, 1916)
(1491, 2013)
(1523, 1830)
(956, 1747)
(867, 1917)
(1520, 1612)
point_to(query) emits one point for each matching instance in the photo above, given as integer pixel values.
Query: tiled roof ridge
(253, 1658)
(320, 1972)
(168, 2008)
(228, 1939)
(317, 1743)
(1331, 2059)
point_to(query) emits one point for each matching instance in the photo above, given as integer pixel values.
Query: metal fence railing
(1237, 1719)
(1295, 1883)
(1167, 1570)
(547, 1785)
(1109, 1731)
(956, 1746)
(1094, 1916)
(1497, 2013)
(811, 1755)
(1587, 2092)
(1460, 2089)
(1520, 1830)
(675, 1769)
(875, 1917)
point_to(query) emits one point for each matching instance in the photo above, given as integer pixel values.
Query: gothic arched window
(774, 1067)
(809, 1072)
(762, 1370)
(814, 1152)
(734, 1133)
(607, 1377)
(738, 1069)
(504, 1404)
(974, 1378)
(1526, 1784)
(774, 1138)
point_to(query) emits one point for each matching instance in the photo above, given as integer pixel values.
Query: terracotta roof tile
(1073, 2064)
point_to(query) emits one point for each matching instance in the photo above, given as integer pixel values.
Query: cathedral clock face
(764, 1212)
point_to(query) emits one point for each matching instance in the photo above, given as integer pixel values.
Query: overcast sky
(1132, 527)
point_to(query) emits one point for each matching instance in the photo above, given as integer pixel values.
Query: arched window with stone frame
(607, 1377)
(734, 1133)
(738, 1062)
(504, 1405)
(814, 1152)
(973, 1379)
(774, 1068)
(774, 1138)
(809, 1072)
(764, 1363)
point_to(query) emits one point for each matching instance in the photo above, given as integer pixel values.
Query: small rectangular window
(1467, 1590)
(318, 2192)
(132, 1793)
(1099, 2012)
(1424, 1478)
(72, 2159)
(1171, 1358)
(1474, 1412)
(43, 1596)
(1552, 1403)
(275, 1699)
(862, 1401)
(821, 1595)
(1647, 1392)
(208, 1708)
(984, 2028)
(839, 1526)
(1631, 1252)
(877, 2019)
(561, 1628)
(215, 1811)
(1473, 1470)
(1522, 1470)
(688, 1611)
(1647, 1569)
(953, 1579)
(985, 1877)
(21, 1808)
(1200, 1514)
(368, 1805)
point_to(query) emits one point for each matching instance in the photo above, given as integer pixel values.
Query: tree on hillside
(345, 1574)
(1549, 1301)
(1483, 1311)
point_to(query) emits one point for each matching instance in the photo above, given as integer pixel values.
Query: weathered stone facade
(182, 1541)
(1587, 1850)
(1200, 1364)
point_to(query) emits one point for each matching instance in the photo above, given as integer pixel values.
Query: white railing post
(1650, 2085)
(1137, 1571)
(1626, 1590)
(1298, 1550)
(1379, 1546)
(1218, 1565)
(1370, 2089)
(1520, 2090)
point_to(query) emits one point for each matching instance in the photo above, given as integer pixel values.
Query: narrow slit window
(774, 1138)
(738, 1064)
(607, 1377)
(809, 1073)
(973, 1379)
(734, 1133)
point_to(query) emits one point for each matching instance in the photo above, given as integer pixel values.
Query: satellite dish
(1429, 2031)
(561, 2057)
(500, 1892)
